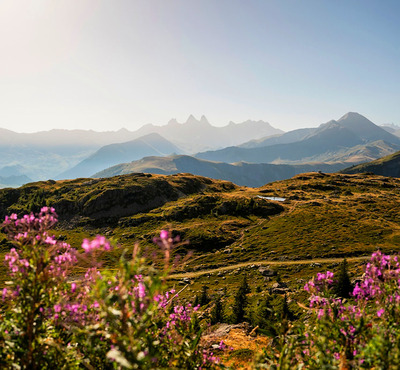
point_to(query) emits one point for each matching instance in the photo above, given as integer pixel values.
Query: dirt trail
(266, 262)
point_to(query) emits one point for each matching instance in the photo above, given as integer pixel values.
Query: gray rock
(264, 271)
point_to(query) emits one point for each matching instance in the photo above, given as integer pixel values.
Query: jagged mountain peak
(123, 130)
(173, 122)
(204, 119)
(193, 121)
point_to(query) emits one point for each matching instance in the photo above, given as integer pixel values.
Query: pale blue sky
(107, 64)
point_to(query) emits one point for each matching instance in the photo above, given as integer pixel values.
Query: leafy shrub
(358, 333)
(123, 319)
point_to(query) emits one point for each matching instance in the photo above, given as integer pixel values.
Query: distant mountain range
(48, 154)
(61, 154)
(353, 138)
(43, 155)
(13, 181)
(247, 174)
(109, 155)
(196, 135)
(392, 128)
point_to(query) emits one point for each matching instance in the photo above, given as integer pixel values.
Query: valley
(323, 216)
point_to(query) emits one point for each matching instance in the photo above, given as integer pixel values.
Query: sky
(104, 65)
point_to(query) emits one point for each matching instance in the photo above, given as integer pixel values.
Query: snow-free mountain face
(361, 127)
(351, 139)
(247, 174)
(286, 138)
(110, 155)
(74, 153)
(196, 135)
(46, 154)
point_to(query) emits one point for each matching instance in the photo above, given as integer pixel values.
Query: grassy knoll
(324, 215)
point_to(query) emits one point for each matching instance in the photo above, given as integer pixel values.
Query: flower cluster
(98, 243)
(360, 332)
(51, 318)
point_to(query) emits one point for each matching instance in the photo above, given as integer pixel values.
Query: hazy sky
(109, 64)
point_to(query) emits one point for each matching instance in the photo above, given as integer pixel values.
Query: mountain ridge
(386, 166)
(112, 154)
(319, 144)
(243, 174)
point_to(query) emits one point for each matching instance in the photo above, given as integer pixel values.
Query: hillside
(353, 138)
(385, 166)
(110, 155)
(323, 216)
(286, 138)
(246, 174)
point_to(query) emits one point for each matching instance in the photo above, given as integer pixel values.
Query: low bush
(360, 333)
(124, 319)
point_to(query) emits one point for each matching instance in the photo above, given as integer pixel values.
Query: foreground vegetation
(128, 319)
(122, 320)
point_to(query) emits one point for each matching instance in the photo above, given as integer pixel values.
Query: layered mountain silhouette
(247, 174)
(46, 154)
(109, 155)
(385, 166)
(195, 135)
(286, 138)
(353, 138)
(13, 181)
(392, 128)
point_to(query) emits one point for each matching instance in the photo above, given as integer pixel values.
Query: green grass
(324, 216)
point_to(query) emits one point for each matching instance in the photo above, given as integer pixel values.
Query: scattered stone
(316, 264)
(279, 290)
(264, 271)
(279, 285)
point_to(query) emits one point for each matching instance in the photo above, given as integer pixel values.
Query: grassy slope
(324, 217)
(387, 166)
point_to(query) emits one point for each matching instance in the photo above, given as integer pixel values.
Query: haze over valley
(236, 148)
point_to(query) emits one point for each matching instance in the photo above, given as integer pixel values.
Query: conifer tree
(343, 286)
(217, 311)
(263, 315)
(204, 298)
(240, 301)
